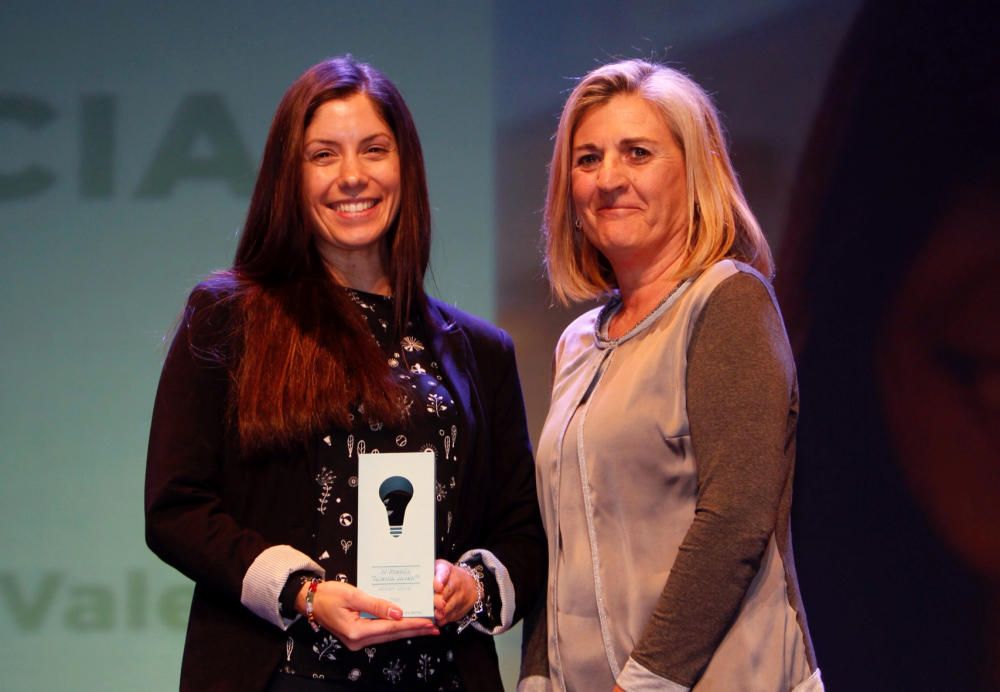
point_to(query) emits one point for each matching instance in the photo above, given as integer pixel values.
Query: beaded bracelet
(477, 607)
(310, 595)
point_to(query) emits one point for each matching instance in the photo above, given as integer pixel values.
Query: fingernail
(395, 613)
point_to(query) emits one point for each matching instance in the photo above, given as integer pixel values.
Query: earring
(577, 224)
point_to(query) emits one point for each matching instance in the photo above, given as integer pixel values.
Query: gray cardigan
(665, 468)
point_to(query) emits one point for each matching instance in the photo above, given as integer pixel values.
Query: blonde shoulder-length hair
(720, 223)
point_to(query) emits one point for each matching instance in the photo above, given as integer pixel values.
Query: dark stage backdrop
(129, 137)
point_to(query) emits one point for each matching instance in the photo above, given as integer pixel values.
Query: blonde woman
(664, 467)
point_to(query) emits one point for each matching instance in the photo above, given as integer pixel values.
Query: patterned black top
(418, 663)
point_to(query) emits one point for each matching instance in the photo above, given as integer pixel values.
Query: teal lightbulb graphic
(395, 492)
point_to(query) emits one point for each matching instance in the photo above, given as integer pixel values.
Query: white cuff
(533, 683)
(637, 678)
(504, 584)
(263, 582)
(814, 683)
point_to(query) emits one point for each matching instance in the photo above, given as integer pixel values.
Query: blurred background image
(865, 137)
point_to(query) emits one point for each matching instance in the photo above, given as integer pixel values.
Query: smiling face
(629, 186)
(351, 182)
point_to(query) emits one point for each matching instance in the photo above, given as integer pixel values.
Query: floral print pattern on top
(419, 663)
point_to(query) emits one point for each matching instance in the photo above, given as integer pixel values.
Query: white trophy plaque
(396, 529)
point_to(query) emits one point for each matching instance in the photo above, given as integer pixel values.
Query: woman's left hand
(454, 592)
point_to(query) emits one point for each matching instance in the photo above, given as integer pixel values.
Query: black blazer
(210, 511)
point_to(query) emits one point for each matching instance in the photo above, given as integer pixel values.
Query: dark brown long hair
(306, 353)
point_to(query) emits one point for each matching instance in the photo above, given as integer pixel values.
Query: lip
(355, 207)
(617, 210)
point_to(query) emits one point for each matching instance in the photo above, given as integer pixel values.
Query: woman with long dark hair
(319, 344)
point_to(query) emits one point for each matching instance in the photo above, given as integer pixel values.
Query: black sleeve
(290, 593)
(187, 522)
(535, 643)
(513, 527)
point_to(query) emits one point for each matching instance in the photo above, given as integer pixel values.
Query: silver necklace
(645, 317)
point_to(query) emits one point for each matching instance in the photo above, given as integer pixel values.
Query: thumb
(379, 607)
(442, 571)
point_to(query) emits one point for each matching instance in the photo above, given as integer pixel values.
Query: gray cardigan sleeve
(740, 387)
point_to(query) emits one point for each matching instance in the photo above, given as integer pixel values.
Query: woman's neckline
(615, 304)
(368, 294)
